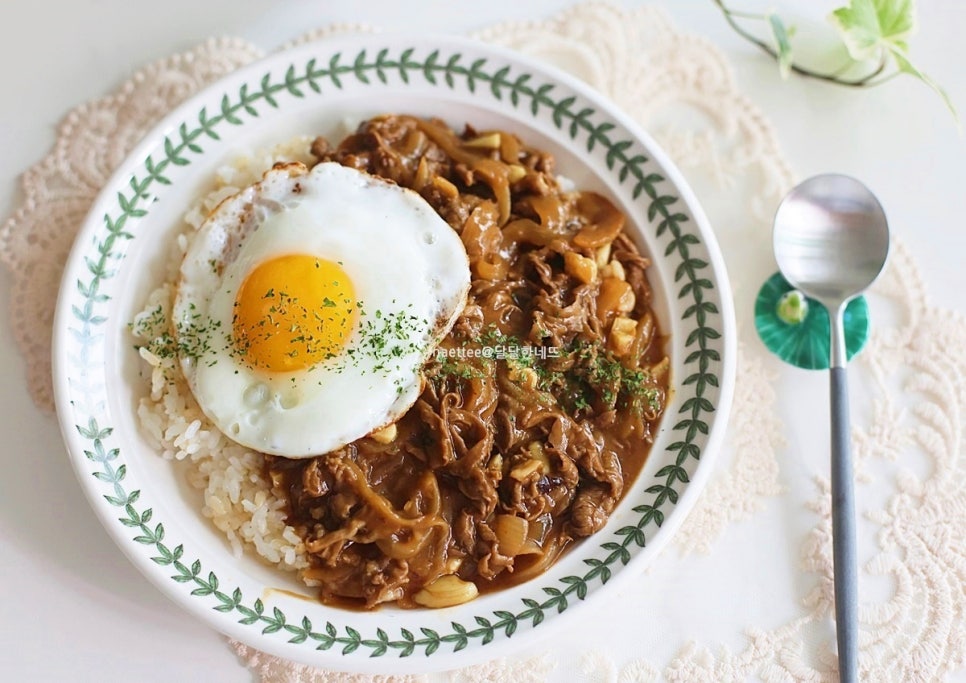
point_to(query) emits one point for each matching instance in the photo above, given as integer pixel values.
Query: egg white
(404, 262)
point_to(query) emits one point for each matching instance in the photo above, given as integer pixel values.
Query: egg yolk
(292, 312)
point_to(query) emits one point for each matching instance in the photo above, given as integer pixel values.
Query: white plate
(313, 89)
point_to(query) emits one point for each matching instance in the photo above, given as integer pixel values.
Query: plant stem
(831, 77)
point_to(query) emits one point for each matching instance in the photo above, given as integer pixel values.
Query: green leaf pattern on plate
(311, 79)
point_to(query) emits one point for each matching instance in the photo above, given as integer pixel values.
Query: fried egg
(308, 303)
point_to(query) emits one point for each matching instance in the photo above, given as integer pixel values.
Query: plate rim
(164, 128)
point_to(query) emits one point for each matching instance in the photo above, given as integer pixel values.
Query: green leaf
(902, 61)
(782, 45)
(870, 26)
(498, 81)
(250, 616)
(228, 111)
(291, 82)
(429, 65)
(358, 67)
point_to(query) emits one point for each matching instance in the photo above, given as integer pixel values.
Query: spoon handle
(843, 531)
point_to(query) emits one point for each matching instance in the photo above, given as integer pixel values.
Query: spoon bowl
(831, 241)
(831, 238)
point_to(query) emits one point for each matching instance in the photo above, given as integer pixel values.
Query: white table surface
(65, 590)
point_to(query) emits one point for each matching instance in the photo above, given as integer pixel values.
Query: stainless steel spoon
(831, 241)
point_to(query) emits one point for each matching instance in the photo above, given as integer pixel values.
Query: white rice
(238, 498)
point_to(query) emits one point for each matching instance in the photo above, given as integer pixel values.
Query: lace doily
(682, 90)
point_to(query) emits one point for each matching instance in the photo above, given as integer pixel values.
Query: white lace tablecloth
(745, 592)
